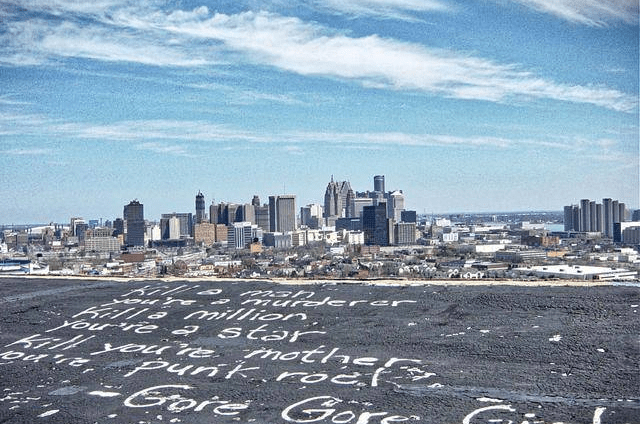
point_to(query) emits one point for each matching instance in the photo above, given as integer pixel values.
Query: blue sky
(483, 105)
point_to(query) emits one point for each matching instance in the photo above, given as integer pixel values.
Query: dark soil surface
(83, 351)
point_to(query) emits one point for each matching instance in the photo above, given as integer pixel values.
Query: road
(102, 351)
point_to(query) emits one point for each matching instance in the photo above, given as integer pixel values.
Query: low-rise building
(579, 272)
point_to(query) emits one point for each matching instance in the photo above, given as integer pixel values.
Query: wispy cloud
(8, 101)
(180, 137)
(26, 152)
(294, 150)
(310, 49)
(38, 41)
(394, 9)
(588, 12)
(166, 149)
(152, 130)
(188, 139)
(188, 38)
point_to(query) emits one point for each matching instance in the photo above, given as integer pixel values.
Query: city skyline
(502, 105)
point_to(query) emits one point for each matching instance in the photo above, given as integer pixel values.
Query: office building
(278, 240)
(246, 213)
(133, 216)
(242, 234)
(338, 198)
(201, 214)
(378, 183)
(395, 205)
(358, 204)
(409, 216)
(311, 216)
(282, 213)
(101, 240)
(262, 217)
(178, 228)
(205, 233)
(228, 213)
(349, 224)
(222, 232)
(375, 225)
(118, 227)
(405, 233)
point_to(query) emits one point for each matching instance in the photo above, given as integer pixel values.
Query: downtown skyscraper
(282, 213)
(133, 216)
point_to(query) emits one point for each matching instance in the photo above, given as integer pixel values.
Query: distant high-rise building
(225, 213)
(246, 213)
(74, 221)
(616, 211)
(405, 233)
(590, 216)
(408, 216)
(607, 217)
(375, 225)
(242, 234)
(311, 216)
(570, 223)
(213, 213)
(359, 203)
(174, 228)
(118, 227)
(133, 216)
(395, 205)
(585, 215)
(181, 227)
(201, 214)
(205, 233)
(282, 213)
(255, 201)
(338, 198)
(378, 183)
(593, 216)
(623, 212)
(262, 217)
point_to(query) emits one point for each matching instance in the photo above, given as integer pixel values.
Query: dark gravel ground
(83, 351)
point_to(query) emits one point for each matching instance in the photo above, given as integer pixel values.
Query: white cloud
(26, 152)
(152, 130)
(309, 49)
(198, 38)
(294, 150)
(395, 9)
(186, 138)
(7, 101)
(37, 41)
(588, 12)
(166, 149)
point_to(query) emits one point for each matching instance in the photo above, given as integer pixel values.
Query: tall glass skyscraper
(133, 216)
(282, 213)
(201, 214)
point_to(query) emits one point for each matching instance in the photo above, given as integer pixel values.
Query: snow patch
(48, 413)
(486, 399)
(104, 394)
